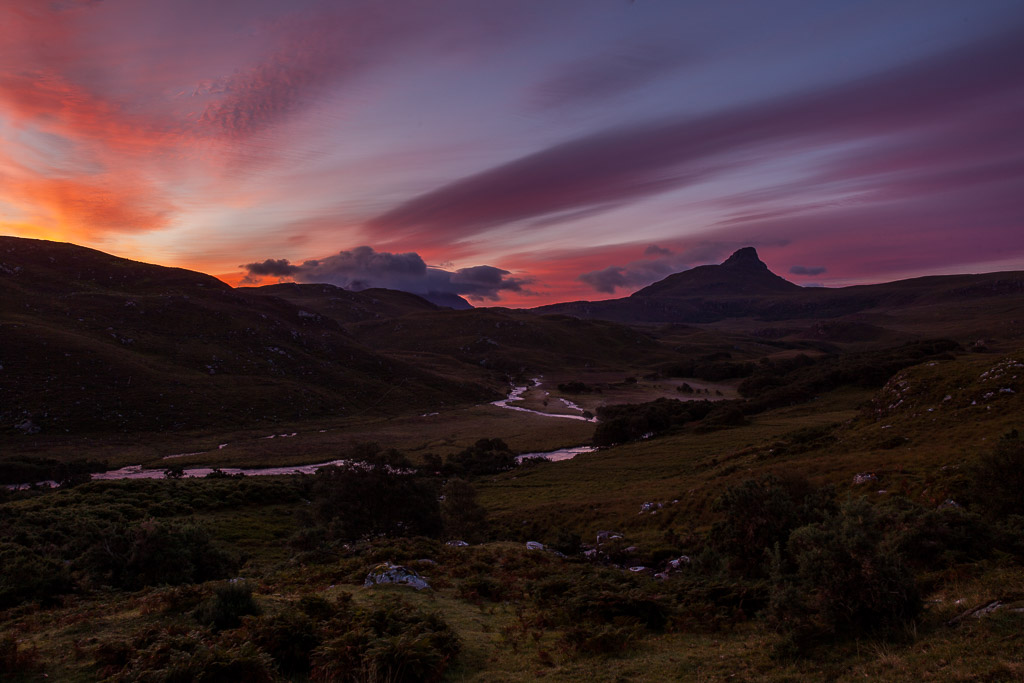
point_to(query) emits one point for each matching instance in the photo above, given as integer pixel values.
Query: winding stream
(517, 395)
(138, 472)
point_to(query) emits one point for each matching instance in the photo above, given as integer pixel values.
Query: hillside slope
(94, 343)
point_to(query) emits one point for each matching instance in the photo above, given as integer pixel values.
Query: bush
(605, 639)
(463, 517)
(841, 579)
(152, 553)
(289, 638)
(935, 539)
(225, 610)
(26, 575)
(393, 642)
(486, 456)
(621, 423)
(998, 478)
(15, 659)
(163, 656)
(760, 514)
(357, 501)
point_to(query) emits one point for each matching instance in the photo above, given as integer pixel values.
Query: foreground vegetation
(714, 551)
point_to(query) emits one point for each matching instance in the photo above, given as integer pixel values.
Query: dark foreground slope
(743, 294)
(93, 343)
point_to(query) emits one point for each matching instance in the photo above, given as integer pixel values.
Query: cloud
(639, 273)
(655, 250)
(807, 270)
(363, 268)
(605, 76)
(276, 267)
(625, 164)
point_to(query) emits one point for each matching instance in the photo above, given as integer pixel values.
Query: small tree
(463, 517)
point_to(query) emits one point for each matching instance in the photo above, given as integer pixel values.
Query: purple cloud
(606, 75)
(805, 270)
(625, 164)
(363, 268)
(639, 273)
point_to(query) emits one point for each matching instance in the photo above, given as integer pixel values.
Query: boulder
(864, 477)
(387, 573)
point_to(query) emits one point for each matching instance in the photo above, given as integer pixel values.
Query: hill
(345, 306)
(94, 343)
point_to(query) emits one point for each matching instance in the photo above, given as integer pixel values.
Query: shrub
(165, 656)
(230, 603)
(998, 478)
(621, 423)
(604, 639)
(15, 659)
(393, 642)
(357, 501)
(289, 638)
(934, 539)
(153, 553)
(845, 581)
(760, 514)
(26, 575)
(486, 456)
(463, 517)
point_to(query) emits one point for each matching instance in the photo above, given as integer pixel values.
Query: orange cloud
(85, 209)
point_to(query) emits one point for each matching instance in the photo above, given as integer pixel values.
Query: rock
(387, 573)
(650, 507)
(864, 477)
(457, 544)
(679, 561)
(534, 545)
(661, 575)
(638, 569)
(605, 536)
(27, 426)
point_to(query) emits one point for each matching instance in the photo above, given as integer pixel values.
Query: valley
(766, 482)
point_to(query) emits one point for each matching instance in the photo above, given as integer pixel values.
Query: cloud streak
(630, 163)
(606, 75)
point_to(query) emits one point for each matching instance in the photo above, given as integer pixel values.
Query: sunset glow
(517, 153)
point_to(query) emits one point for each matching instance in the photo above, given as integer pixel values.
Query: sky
(518, 152)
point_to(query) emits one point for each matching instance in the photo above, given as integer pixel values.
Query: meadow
(263, 578)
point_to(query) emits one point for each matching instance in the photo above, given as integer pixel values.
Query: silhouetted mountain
(743, 294)
(742, 274)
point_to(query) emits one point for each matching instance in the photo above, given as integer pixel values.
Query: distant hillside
(511, 341)
(94, 343)
(742, 294)
(345, 306)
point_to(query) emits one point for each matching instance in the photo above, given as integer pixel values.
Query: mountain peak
(742, 274)
(745, 258)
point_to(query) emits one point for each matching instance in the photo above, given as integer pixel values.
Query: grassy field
(510, 607)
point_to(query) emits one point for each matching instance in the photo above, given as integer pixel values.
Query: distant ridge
(743, 293)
